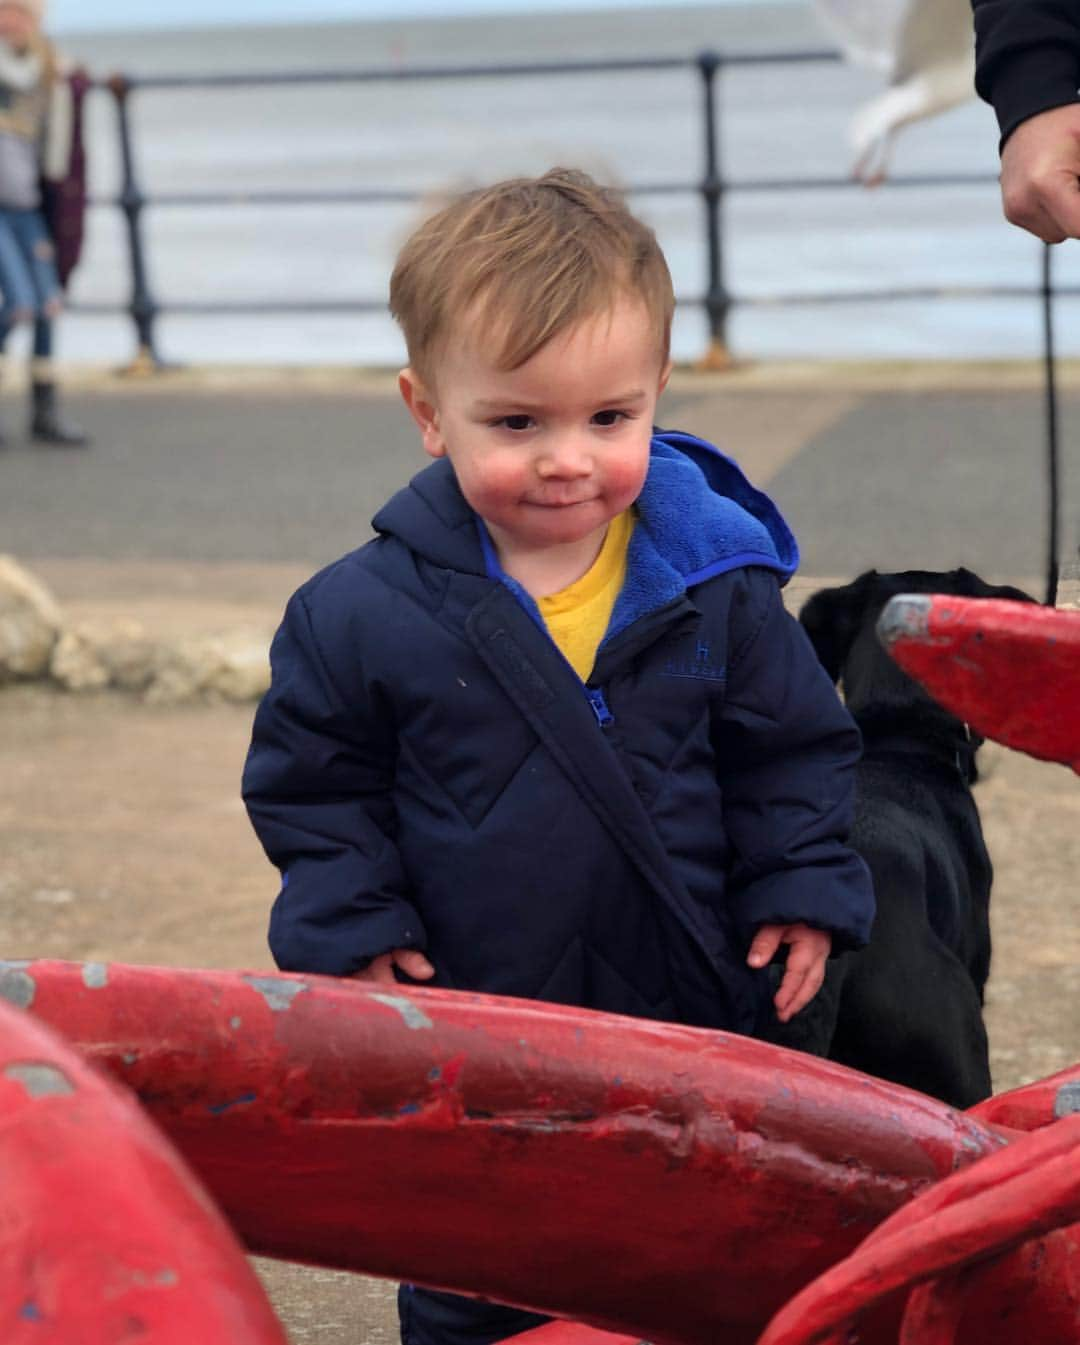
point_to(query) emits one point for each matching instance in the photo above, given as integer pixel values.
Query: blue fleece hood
(698, 517)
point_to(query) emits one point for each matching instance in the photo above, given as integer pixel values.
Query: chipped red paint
(675, 1184)
(510, 1148)
(1029, 1189)
(1036, 1104)
(106, 1237)
(1010, 669)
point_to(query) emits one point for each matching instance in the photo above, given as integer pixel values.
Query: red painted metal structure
(1035, 1105)
(1010, 669)
(516, 1150)
(105, 1236)
(996, 1207)
(510, 1148)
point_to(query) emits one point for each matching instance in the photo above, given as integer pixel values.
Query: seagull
(926, 50)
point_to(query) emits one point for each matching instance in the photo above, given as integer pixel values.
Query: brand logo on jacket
(697, 665)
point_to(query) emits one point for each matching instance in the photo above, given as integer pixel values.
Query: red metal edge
(106, 1237)
(1009, 669)
(508, 1148)
(1010, 1198)
(1034, 1105)
(571, 1333)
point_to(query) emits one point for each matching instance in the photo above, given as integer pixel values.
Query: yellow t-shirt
(577, 616)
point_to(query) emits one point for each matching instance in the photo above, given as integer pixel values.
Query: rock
(129, 656)
(182, 671)
(244, 674)
(233, 666)
(30, 623)
(115, 652)
(111, 651)
(77, 664)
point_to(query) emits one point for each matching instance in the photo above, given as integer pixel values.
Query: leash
(1050, 363)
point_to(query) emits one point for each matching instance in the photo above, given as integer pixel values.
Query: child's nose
(565, 456)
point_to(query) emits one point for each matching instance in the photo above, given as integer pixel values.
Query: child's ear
(665, 374)
(423, 410)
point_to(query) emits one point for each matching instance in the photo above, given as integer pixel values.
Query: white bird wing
(925, 48)
(868, 31)
(933, 33)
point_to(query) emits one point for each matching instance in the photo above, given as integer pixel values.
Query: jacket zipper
(604, 717)
(641, 630)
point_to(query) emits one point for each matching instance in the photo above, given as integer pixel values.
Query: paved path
(288, 472)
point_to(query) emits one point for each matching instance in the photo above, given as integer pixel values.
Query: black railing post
(717, 299)
(142, 307)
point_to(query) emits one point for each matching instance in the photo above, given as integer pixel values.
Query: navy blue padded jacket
(428, 771)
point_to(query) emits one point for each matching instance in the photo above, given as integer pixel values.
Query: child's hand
(808, 950)
(411, 961)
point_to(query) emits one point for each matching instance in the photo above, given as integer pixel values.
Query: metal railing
(712, 188)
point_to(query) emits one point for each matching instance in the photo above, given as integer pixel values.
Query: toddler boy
(552, 733)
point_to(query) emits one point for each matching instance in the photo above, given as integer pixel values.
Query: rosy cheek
(626, 478)
(491, 481)
(503, 474)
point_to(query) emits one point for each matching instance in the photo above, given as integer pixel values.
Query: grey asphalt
(288, 472)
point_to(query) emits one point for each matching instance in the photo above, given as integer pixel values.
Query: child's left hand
(808, 950)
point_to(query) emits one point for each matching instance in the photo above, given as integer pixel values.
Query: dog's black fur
(909, 1006)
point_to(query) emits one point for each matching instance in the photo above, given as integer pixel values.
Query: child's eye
(518, 423)
(608, 418)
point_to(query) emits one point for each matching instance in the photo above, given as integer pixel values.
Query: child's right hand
(381, 969)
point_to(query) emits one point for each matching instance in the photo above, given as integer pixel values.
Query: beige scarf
(26, 80)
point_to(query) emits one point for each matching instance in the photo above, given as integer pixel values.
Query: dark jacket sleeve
(317, 784)
(1027, 57)
(788, 751)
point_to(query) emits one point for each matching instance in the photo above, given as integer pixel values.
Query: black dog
(909, 1006)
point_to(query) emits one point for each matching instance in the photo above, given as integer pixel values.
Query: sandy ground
(122, 837)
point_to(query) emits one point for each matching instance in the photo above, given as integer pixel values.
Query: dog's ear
(833, 617)
(971, 586)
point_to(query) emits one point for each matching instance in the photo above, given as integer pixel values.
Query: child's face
(17, 25)
(548, 453)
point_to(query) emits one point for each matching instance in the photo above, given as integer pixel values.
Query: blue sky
(91, 15)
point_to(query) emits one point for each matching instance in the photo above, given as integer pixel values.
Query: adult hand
(808, 950)
(1040, 174)
(411, 961)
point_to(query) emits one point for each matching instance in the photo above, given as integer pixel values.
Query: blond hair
(528, 258)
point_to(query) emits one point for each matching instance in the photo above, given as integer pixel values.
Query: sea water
(788, 251)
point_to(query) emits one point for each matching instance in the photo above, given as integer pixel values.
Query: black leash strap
(1050, 363)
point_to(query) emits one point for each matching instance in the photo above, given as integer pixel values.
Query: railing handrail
(374, 74)
(712, 186)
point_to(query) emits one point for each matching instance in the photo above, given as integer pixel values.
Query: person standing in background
(1027, 65)
(38, 152)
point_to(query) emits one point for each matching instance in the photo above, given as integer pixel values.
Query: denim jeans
(28, 277)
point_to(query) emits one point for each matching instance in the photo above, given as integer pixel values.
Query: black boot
(48, 426)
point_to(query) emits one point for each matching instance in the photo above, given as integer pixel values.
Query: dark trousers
(430, 1318)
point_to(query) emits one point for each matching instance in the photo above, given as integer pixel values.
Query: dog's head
(841, 625)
